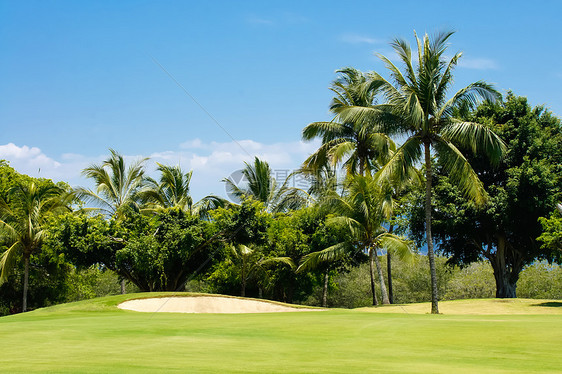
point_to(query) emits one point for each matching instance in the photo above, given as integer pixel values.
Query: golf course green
(94, 336)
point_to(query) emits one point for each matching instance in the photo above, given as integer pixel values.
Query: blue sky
(80, 77)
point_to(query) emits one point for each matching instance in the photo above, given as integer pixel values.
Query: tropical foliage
(464, 174)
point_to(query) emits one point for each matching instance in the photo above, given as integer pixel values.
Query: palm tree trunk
(389, 271)
(430, 254)
(372, 272)
(25, 283)
(325, 290)
(385, 300)
(243, 291)
(389, 276)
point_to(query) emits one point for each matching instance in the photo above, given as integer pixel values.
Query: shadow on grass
(551, 304)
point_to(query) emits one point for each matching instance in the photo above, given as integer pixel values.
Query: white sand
(205, 304)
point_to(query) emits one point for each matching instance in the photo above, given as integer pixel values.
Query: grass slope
(96, 337)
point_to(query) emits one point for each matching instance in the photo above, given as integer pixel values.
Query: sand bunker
(206, 304)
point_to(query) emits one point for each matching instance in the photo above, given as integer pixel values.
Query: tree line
(470, 175)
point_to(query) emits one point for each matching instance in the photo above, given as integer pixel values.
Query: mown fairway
(96, 337)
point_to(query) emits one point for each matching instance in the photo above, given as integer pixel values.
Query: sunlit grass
(96, 337)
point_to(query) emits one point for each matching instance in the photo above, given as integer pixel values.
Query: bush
(540, 281)
(475, 281)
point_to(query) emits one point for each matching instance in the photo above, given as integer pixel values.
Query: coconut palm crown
(116, 185)
(353, 142)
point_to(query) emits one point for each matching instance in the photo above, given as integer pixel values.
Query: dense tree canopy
(525, 186)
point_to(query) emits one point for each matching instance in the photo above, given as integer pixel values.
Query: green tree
(117, 185)
(525, 186)
(362, 211)
(23, 224)
(156, 253)
(551, 237)
(163, 252)
(417, 106)
(251, 262)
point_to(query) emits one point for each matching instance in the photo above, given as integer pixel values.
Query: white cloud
(210, 162)
(478, 63)
(358, 39)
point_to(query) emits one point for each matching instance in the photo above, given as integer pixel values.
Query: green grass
(96, 337)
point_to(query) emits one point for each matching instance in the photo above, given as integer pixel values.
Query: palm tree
(116, 185)
(362, 210)
(23, 224)
(416, 106)
(117, 188)
(172, 191)
(260, 185)
(252, 261)
(350, 141)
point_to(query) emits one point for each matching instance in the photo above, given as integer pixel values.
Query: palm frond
(396, 245)
(460, 171)
(471, 94)
(7, 260)
(477, 138)
(333, 253)
(399, 166)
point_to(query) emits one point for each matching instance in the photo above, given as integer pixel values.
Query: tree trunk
(385, 300)
(372, 272)
(430, 254)
(325, 290)
(505, 287)
(507, 266)
(389, 276)
(243, 291)
(123, 290)
(25, 283)
(389, 271)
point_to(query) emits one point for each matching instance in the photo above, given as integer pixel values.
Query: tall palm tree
(116, 185)
(353, 142)
(417, 106)
(260, 185)
(172, 190)
(362, 210)
(23, 224)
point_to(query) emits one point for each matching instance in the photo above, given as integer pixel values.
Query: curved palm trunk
(25, 283)
(385, 300)
(372, 273)
(430, 254)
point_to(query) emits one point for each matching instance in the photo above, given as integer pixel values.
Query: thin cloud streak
(358, 39)
(478, 63)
